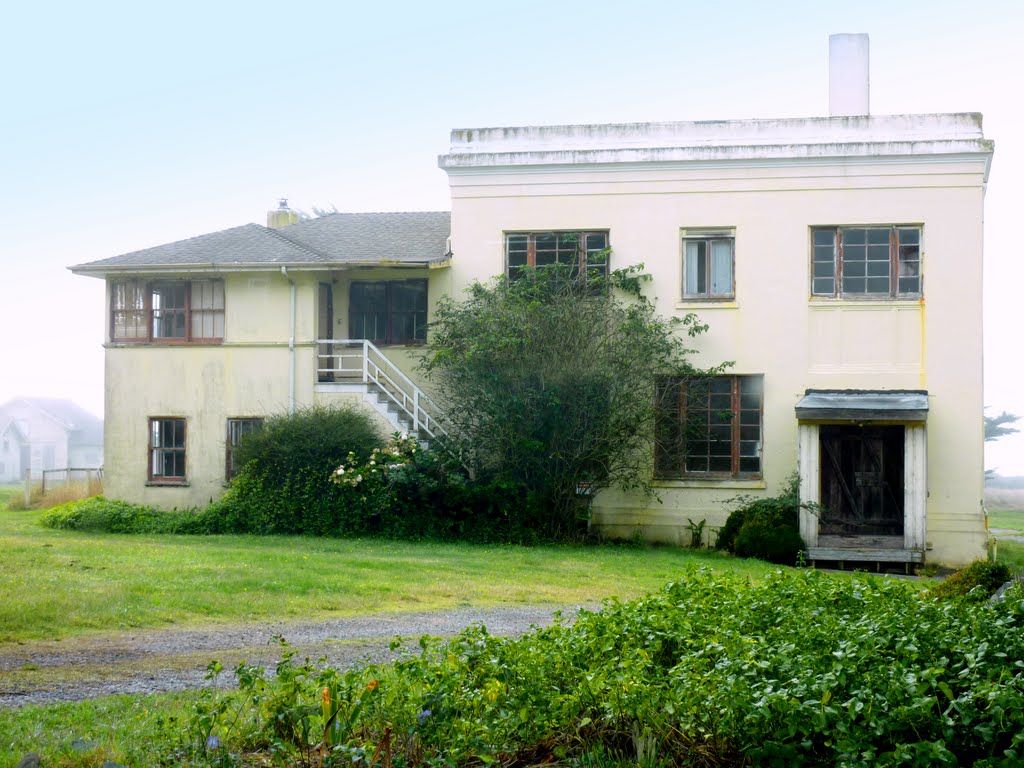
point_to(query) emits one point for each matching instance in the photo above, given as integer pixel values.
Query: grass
(1007, 519)
(61, 584)
(131, 730)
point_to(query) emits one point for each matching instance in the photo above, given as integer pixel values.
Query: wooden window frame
(244, 425)
(156, 451)
(580, 256)
(837, 262)
(677, 429)
(390, 312)
(709, 236)
(148, 314)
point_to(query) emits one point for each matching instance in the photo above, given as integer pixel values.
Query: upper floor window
(709, 427)
(582, 252)
(388, 311)
(870, 262)
(708, 258)
(167, 310)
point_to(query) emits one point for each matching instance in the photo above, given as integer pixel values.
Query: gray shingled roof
(335, 239)
(375, 238)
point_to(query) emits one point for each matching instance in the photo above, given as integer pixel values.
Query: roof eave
(105, 270)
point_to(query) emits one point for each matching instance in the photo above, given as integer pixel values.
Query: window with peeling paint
(866, 262)
(709, 427)
(167, 311)
(167, 450)
(708, 264)
(237, 429)
(584, 253)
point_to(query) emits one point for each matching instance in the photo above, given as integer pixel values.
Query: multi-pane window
(873, 262)
(167, 449)
(709, 427)
(708, 259)
(237, 429)
(388, 311)
(167, 310)
(581, 252)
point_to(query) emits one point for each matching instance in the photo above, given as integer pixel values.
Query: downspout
(291, 345)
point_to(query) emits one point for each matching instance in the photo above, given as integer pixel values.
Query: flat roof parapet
(874, 135)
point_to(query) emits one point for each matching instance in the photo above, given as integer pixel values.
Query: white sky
(127, 125)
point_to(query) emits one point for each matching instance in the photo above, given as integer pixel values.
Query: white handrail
(385, 375)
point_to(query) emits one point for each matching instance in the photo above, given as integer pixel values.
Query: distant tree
(997, 426)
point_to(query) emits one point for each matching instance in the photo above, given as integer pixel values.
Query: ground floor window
(237, 429)
(709, 427)
(167, 449)
(388, 311)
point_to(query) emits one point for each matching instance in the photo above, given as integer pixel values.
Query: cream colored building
(837, 260)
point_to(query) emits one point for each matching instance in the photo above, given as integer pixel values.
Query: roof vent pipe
(848, 75)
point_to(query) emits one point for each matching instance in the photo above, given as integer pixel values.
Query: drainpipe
(291, 345)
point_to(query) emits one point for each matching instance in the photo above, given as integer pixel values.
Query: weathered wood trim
(915, 486)
(866, 555)
(809, 467)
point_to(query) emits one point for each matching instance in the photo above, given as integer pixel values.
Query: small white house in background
(837, 260)
(47, 433)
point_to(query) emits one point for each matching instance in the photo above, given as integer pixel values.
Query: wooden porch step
(862, 554)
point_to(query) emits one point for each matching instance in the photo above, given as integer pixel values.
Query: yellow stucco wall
(773, 327)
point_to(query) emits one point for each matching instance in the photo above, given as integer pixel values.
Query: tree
(549, 382)
(996, 426)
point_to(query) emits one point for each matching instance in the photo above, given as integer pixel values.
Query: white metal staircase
(357, 365)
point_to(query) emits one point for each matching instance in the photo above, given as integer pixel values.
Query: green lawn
(58, 584)
(1009, 519)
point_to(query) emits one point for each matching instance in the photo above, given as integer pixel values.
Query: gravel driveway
(157, 661)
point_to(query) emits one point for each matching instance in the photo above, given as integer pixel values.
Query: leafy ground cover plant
(800, 669)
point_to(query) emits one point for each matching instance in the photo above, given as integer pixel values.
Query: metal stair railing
(360, 361)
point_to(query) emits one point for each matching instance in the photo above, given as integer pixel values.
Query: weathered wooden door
(862, 481)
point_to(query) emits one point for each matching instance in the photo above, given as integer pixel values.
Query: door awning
(863, 405)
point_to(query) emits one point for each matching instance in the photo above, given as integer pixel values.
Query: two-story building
(837, 260)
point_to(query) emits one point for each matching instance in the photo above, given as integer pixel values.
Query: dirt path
(157, 661)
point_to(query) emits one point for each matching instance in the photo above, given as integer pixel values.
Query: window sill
(729, 483)
(165, 343)
(168, 484)
(707, 304)
(847, 302)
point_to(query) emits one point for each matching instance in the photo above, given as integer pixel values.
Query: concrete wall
(773, 327)
(245, 376)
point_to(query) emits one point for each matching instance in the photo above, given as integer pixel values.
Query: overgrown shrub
(801, 669)
(977, 582)
(765, 528)
(284, 485)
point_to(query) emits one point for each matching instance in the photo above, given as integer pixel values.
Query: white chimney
(848, 78)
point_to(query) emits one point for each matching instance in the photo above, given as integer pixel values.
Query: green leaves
(548, 383)
(800, 669)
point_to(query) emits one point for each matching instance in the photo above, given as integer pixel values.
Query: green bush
(103, 515)
(765, 528)
(977, 582)
(801, 669)
(284, 485)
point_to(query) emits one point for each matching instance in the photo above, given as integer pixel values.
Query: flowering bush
(382, 464)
